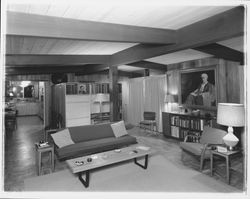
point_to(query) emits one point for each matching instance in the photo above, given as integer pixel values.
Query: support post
(114, 93)
(146, 72)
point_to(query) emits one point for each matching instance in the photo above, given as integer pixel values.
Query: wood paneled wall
(230, 78)
(101, 78)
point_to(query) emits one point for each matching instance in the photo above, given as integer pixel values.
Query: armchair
(201, 149)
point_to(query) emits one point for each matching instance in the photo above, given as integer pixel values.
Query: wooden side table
(227, 155)
(39, 152)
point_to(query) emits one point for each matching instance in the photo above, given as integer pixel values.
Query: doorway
(23, 99)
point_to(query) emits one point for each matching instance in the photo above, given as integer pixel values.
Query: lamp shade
(230, 114)
(102, 97)
(170, 98)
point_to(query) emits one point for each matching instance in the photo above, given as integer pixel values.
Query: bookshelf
(178, 125)
(73, 88)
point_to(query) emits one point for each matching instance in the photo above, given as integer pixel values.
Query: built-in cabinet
(68, 108)
(77, 110)
(74, 103)
(26, 107)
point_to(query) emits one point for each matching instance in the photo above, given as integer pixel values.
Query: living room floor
(20, 154)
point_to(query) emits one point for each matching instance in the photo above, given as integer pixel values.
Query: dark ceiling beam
(43, 69)
(137, 53)
(220, 51)
(25, 71)
(149, 65)
(78, 70)
(46, 66)
(103, 72)
(55, 27)
(219, 27)
(131, 74)
(24, 60)
(90, 69)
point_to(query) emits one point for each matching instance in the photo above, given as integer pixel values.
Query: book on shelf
(184, 123)
(196, 136)
(197, 124)
(175, 131)
(175, 120)
(71, 89)
(202, 125)
(183, 133)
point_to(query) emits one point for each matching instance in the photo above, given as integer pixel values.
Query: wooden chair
(149, 121)
(210, 137)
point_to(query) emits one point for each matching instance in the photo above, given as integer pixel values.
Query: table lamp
(101, 97)
(170, 99)
(231, 115)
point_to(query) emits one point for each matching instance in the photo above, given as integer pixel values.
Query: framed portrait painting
(198, 88)
(83, 88)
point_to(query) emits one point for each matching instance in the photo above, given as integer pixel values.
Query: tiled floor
(20, 154)
(20, 161)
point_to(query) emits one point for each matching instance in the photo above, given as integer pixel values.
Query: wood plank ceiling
(165, 17)
(125, 34)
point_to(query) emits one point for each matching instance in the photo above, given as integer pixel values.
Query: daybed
(89, 139)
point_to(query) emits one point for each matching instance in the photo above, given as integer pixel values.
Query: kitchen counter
(27, 108)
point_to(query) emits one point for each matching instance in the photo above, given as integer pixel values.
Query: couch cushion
(94, 146)
(62, 138)
(119, 129)
(194, 148)
(90, 132)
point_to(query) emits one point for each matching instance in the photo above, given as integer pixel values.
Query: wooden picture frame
(194, 92)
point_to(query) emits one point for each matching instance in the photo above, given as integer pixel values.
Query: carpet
(161, 176)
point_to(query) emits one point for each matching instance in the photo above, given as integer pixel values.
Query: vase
(230, 140)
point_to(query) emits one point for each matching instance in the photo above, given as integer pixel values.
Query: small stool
(39, 151)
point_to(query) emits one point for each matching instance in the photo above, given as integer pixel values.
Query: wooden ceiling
(85, 37)
(156, 16)
(236, 43)
(180, 56)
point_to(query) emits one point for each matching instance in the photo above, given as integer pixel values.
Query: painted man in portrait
(204, 95)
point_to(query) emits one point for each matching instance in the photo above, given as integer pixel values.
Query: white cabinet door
(77, 110)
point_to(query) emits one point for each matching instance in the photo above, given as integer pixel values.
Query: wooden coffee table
(83, 165)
